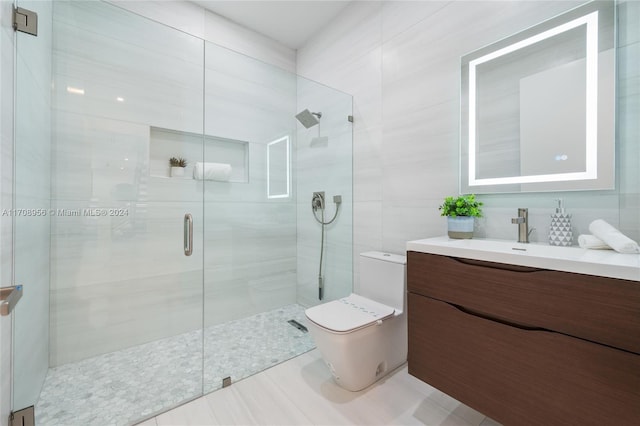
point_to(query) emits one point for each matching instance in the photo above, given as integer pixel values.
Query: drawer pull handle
(494, 319)
(529, 328)
(492, 265)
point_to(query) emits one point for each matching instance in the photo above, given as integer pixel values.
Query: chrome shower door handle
(188, 234)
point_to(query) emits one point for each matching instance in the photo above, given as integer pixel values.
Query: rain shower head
(309, 119)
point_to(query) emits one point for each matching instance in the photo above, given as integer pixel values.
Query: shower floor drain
(297, 325)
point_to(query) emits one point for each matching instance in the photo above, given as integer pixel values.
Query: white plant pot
(177, 171)
(460, 227)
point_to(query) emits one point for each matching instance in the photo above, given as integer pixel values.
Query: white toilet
(364, 336)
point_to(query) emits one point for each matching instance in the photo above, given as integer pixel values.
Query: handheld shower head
(309, 119)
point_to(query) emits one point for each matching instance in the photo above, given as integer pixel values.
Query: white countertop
(603, 263)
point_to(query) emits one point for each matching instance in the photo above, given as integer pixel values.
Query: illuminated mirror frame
(587, 15)
(285, 140)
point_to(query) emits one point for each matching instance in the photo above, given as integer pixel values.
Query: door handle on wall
(188, 234)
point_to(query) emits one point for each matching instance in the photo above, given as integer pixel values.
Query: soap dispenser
(560, 233)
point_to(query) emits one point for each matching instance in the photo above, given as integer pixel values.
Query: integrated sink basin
(605, 263)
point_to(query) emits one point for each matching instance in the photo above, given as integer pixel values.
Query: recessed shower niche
(167, 143)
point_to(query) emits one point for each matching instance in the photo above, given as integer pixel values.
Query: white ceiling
(291, 23)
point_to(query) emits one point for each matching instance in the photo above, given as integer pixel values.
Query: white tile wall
(110, 61)
(204, 24)
(226, 33)
(250, 258)
(182, 15)
(247, 99)
(400, 60)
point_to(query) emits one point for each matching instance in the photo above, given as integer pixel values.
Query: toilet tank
(383, 278)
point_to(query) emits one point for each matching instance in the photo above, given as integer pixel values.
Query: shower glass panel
(254, 240)
(116, 323)
(115, 332)
(324, 162)
(31, 200)
(250, 239)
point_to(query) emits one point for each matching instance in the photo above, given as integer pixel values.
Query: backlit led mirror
(278, 169)
(538, 108)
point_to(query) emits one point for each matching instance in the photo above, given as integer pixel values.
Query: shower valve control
(317, 201)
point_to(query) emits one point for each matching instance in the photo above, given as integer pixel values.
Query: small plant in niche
(464, 205)
(177, 166)
(461, 213)
(177, 162)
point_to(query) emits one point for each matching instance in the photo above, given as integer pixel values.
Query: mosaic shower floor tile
(122, 387)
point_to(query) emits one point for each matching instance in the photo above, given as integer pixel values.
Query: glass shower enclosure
(147, 285)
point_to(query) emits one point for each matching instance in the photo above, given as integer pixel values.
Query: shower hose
(323, 224)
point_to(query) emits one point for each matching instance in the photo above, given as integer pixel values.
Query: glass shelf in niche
(226, 160)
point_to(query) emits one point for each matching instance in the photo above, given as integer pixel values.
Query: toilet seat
(349, 314)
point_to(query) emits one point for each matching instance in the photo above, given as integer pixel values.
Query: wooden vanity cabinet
(526, 346)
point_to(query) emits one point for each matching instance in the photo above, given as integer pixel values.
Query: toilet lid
(348, 313)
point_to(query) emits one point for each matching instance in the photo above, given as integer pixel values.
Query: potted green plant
(177, 166)
(461, 213)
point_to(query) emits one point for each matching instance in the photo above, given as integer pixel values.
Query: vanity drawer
(599, 309)
(519, 376)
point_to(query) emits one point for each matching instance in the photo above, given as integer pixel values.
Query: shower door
(108, 242)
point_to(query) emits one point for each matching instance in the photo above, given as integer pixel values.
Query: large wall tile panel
(155, 70)
(182, 15)
(204, 24)
(226, 33)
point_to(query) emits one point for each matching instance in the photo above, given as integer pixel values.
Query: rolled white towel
(592, 242)
(212, 171)
(612, 237)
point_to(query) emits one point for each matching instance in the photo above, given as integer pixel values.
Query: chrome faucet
(523, 225)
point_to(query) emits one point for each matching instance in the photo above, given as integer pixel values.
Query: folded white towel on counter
(212, 171)
(592, 242)
(612, 237)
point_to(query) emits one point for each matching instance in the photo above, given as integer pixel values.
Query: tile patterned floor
(121, 387)
(302, 392)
